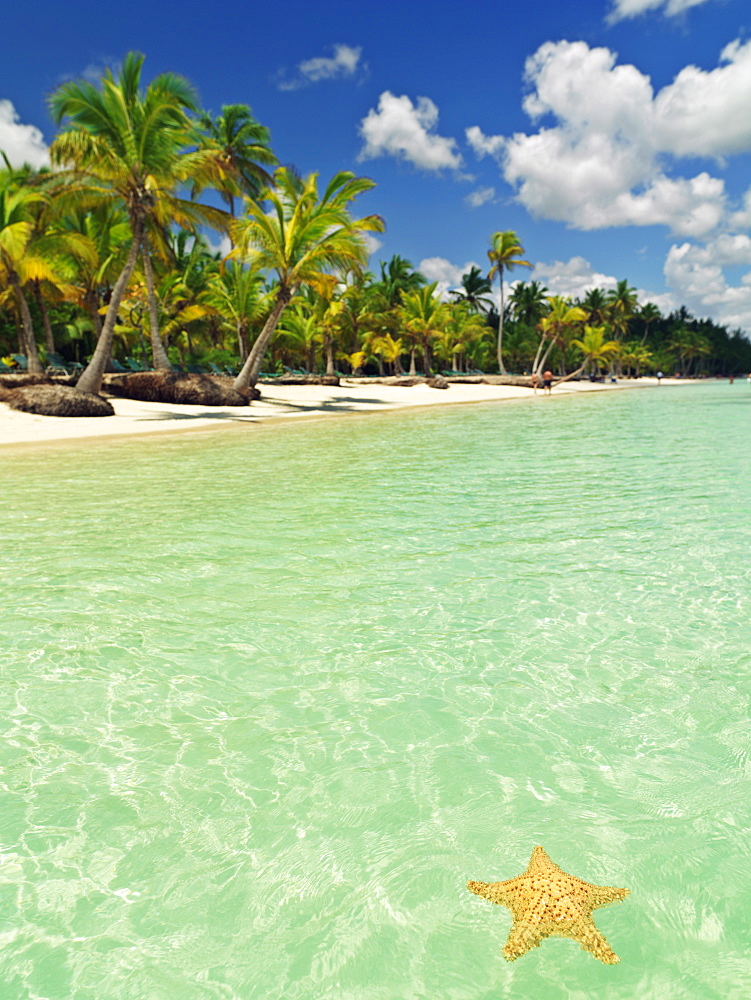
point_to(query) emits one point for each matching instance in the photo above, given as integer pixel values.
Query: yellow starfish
(546, 902)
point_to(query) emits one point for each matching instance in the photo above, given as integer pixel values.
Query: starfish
(546, 902)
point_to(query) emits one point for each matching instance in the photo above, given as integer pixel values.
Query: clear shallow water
(271, 697)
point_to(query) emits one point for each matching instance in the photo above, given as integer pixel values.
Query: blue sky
(614, 136)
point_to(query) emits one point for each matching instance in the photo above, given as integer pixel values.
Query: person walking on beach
(659, 378)
(547, 381)
(535, 381)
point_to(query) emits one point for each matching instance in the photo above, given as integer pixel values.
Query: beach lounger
(56, 363)
(21, 361)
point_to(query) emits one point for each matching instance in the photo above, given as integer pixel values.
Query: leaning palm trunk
(91, 379)
(536, 363)
(249, 373)
(158, 353)
(544, 361)
(567, 378)
(32, 358)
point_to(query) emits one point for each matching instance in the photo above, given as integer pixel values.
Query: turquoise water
(271, 696)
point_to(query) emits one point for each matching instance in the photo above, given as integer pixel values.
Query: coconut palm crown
(305, 238)
(504, 255)
(125, 143)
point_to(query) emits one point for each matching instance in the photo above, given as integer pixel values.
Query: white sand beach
(281, 402)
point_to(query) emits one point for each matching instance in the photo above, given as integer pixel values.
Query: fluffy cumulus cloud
(696, 274)
(21, 143)
(405, 130)
(608, 156)
(574, 277)
(447, 275)
(632, 8)
(344, 62)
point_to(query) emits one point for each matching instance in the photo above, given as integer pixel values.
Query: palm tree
(235, 294)
(648, 314)
(634, 354)
(595, 304)
(504, 255)
(299, 327)
(622, 303)
(529, 301)
(555, 327)
(128, 145)
(107, 230)
(387, 348)
(397, 278)
(475, 290)
(20, 263)
(424, 316)
(239, 151)
(594, 347)
(303, 239)
(463, 327)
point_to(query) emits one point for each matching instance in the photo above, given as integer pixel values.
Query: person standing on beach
(535, 381)
(659, 378)
(547, 381)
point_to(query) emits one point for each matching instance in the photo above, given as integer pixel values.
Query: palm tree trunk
(32, 358)
(535, 364)
(249, 373)
(49, 339)
(158, 353)
(547, 352)
(412, 369)
(567, 378)
(330, 370)
(501, 366)
(426, 360)
(91, 379)
(95, 317)
(241, 344)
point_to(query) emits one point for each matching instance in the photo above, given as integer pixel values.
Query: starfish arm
(496, 892)
(591, 940)
(601, 895)
(527, 931)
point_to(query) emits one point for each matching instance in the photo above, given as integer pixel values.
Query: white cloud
(479, 197)
(484, 145)
(605, 160)
(21, 143)
(372, 244)
(706, 113)
(742, 218)
(222, 246)
(344, 63)
(572, 278)
(696, 275)
(402, 129)
(576, 276)
(447, 275)
(632, 8)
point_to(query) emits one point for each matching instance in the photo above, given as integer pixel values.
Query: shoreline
(279, 403)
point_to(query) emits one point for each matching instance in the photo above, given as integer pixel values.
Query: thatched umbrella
(57, 401)
(178, 387)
